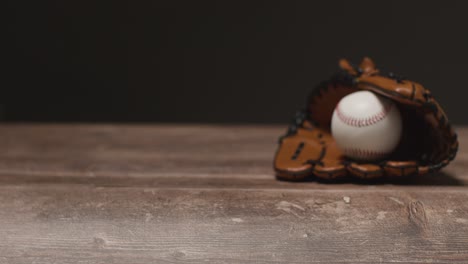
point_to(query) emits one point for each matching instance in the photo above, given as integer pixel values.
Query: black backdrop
(216, 61)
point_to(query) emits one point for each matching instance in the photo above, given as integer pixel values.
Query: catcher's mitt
(428, 141)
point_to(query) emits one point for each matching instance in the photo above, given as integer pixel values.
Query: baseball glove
(428, 141)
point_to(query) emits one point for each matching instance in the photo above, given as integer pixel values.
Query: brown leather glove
(428, 141)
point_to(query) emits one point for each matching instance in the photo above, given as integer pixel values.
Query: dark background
(216, 61)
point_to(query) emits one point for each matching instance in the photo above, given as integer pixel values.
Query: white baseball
(366, 126)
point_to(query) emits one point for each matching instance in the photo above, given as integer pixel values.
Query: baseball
(365, 126)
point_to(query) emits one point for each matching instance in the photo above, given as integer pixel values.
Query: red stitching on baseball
(364, 153)
(362, 122)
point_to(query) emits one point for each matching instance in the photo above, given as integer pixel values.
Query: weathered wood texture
(207, 194)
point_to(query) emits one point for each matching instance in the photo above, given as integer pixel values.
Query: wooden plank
(137, 150)
(113, 154)
(207, 194)
(82, 224)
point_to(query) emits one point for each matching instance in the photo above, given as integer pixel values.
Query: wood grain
(207, 194)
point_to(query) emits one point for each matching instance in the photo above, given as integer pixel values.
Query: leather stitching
(362, 122)
(364, 153)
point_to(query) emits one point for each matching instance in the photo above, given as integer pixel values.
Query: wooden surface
(207, 194)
